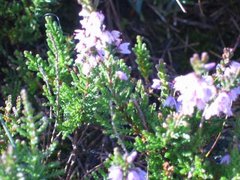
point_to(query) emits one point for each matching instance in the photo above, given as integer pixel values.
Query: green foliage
(15, 78)
(170, 151)
(20, 26)
(162, 74)
(21, 23)
(53, 71)
(143, 58)
(21, 163)
(24, 158)
(92, 94)
(58, 55)
(172, 146)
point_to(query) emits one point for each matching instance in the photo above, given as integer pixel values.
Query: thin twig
(7, 132)
(73, 156)
(45, 79)
(194, 23)
(69, 173)
(180, 47)
(92, 170)
(237, 43)
(181, 6)
(57, 79)
(141, 115)
(215, 142)
(115, 15)
(235, 24)
(115, 129)
(215, 54)
(200, 7)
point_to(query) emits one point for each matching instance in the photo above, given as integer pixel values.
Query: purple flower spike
(95, 40)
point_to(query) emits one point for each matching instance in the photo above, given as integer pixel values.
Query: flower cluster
(200, 91)
(233, 69)
(228, 92)
(221, 104)
(228, 75)
(116, 172)
(195, 92)
(95, 41)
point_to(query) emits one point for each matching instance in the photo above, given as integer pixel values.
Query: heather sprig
(164, 80)
(122, 167)
(212, 94)
(24, 157)
(143, 58)
(95, 42)
(53, 71)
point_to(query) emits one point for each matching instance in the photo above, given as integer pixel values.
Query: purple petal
(124, 49)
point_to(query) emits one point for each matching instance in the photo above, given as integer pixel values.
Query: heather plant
(169, 133)
(164, 126)
(24, 157)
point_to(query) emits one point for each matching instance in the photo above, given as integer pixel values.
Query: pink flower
(209, 66)
(115, 173)
(131, 173)
(93, 24)
(112, 37)
(86, 68)
(94, 41)
(195, 92)
(84, 13)
(225, 159)
(131, 157)
(171, 102)
(234, 93)
(233, 69)
(222, 104)
(124, 48)
(156, 84)
(107, 37)
(116, 34)
(121, 75)
(137, 174)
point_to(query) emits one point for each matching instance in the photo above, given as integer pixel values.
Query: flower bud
(131, 157)
(121, 75)
(204, 57)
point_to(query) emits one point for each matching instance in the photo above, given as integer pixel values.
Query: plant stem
(7, 132)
